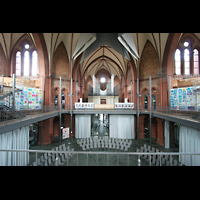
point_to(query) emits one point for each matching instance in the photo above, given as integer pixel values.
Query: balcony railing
(78, 153)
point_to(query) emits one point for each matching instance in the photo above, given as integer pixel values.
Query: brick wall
(60, 62)
(2, 62)
(149, 64)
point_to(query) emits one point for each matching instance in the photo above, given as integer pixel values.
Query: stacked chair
(156, 159)
(104, 142)
(49, 159)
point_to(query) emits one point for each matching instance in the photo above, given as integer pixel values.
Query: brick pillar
(153, 127)
(47, 131)
(141, 126)
(56, 125)
(160, 132)
(68, 123)
(172, 134)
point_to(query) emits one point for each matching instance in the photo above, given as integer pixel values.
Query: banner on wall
(198, 101)
(28, 98)
(65, 132)
(183, 99)
(174, 99)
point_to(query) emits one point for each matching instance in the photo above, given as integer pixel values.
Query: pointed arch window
(26, 60)
(34, 63)
(178, 62)
(26, 63)
(196, 61)
(18, 64)
(187, 61)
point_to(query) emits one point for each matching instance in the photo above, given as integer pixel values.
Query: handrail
(11, 110)
(98, 153)
(101, 152)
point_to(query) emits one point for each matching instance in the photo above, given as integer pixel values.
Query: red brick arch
(42, 53)
(167, 66)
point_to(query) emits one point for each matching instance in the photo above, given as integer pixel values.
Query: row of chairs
(104, 142)
(166, 160)
(49, 159)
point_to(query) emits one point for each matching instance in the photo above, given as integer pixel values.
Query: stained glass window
(26, 63)
(18, 64)
(187, 61)
(34, 63)
(196, 61)
(178, 62)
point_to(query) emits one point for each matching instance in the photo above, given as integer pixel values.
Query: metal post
(169, 95)
(60, 114)
(87, 159)
(7, 158)
(2, 84)
(13, 91)
(150, 108)
(137, 111)
(56, 162)
(71, 110)
(41, 132)
(42, 94)
(139, 161)
(36, 158)
(131, 91)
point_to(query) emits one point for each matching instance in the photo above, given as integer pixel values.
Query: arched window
(187, 61)
(26, 63)
(26, 60)
(196, 61)
(18, 64)
(34, 63)
(178, 62)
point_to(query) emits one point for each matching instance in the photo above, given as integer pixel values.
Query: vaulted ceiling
(104, 57)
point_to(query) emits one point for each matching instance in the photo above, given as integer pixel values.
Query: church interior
(99, 99)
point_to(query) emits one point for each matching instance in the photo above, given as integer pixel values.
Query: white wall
(16, 139)
(189, 142)
(82, 126)
(122, 126)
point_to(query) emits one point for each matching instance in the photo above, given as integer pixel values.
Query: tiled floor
(103, 160)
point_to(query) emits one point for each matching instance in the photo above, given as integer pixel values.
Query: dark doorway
(100, 125)
(154, 102)
(103, 101)
(146, 102)
(56, 102)
(63, 101)
(176, 134)
(146, 127)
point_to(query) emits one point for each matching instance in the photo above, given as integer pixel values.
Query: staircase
(7, 113)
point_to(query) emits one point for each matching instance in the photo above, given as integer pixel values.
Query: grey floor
(103, 160)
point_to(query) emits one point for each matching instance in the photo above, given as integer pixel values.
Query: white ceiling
(103, 57)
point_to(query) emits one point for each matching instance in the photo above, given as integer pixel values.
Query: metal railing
(29, 113)
(77, 153)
